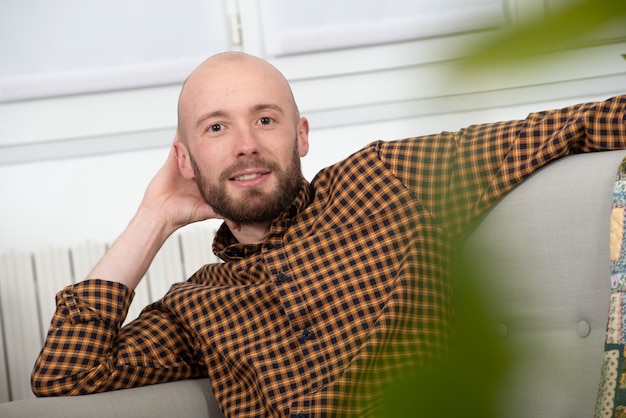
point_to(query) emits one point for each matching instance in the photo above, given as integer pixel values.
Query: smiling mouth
(248, 171)
(245, 177)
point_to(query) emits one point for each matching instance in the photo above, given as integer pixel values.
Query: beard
(254, 206)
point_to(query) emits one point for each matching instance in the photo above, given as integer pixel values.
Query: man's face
(244, 139)
(251, 204)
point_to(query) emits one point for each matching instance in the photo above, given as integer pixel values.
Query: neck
(249, 233)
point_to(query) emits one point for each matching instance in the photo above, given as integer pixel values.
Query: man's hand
(174, 199)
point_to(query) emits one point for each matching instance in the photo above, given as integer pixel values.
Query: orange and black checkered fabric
(349, 287)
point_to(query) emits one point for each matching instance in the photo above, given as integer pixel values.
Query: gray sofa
(544, 256)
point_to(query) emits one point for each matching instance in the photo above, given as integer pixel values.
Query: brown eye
(265, 121)
(215, 128)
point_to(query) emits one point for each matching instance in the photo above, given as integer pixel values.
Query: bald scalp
(204, 72)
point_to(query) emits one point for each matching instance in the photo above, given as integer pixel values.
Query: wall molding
(603, 86)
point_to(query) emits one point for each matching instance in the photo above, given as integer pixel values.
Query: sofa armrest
(185, 398)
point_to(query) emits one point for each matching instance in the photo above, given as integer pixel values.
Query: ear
(303, 136)
(184, 162)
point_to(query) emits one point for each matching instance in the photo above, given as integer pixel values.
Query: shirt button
(307, 335)
(282, 277)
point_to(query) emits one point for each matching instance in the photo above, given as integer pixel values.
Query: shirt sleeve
(87, 350)
(457, 176)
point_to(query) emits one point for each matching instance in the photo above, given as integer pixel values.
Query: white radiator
(30, 281)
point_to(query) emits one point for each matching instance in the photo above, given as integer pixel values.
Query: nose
(246, 142)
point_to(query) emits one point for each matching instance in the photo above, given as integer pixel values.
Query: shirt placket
(293, 300)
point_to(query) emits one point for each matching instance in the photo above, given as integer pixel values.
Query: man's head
(240, 136)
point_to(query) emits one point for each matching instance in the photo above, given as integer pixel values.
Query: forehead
(235, 86)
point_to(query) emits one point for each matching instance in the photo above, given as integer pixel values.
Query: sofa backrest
(543, 255)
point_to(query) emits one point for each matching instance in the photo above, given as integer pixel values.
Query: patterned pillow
(611, 401)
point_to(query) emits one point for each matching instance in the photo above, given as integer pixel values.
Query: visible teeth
(247, 177)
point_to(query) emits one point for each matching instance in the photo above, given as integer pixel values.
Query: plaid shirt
(349, 286)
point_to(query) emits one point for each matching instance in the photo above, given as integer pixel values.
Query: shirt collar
(227, 248)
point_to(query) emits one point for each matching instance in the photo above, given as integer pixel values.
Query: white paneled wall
(69, 47)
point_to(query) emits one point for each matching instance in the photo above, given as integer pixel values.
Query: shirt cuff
(95, 300)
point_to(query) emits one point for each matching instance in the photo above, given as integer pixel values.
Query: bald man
(328, 290)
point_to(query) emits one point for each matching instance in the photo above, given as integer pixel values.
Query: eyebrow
(216, 114)
(257, 108)
(268, 106)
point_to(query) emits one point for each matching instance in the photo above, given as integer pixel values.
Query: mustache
(253, 161)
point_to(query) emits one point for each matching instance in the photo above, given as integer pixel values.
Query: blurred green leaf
(558, 30)
(466, 380)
